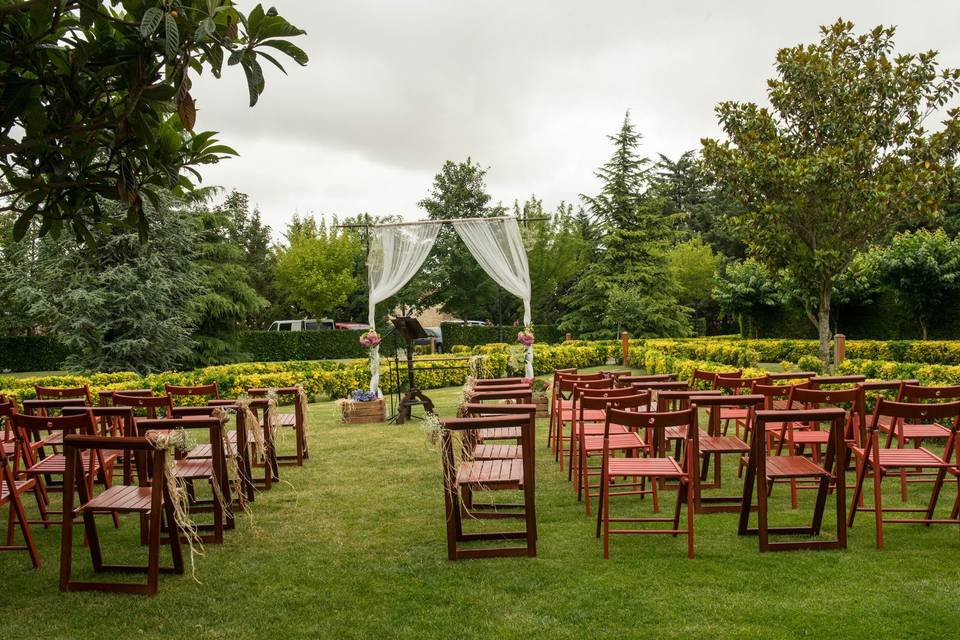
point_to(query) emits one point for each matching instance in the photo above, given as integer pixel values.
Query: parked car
(433, 332)
(352, 325)
(307, 324)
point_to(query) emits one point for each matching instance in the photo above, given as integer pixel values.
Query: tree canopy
(96, 102)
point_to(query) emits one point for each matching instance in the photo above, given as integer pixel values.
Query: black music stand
(409, 329)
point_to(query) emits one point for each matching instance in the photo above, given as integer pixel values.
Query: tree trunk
(923, 328)
(823, 324)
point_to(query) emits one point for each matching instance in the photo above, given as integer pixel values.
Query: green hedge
(31, 353)
(281, 346)
(457, 333)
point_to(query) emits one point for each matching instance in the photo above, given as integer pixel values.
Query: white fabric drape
(396, 254)
(498, 247)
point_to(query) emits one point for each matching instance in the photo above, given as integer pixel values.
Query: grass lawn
(354, 547)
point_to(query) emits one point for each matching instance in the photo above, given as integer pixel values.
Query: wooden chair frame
(11, 491)
(302, 452)
(762, 469)
(121, 499)
(561, 401)
(460, 483)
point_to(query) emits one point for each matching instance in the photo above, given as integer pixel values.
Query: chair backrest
(738, 384)
(818, 381)
(502, 387)
(149, 404)
(523, 396)
(29, 426)
(123, 416)
(499, 382)
(918, 412)
(674, 400)
(915, 393)
(201, 390)
(771, 392)
(655, 423)
(564, 382)
(804, 398)
(585, 386)
(626, 381)
(106, 396)
(616, 373)
(633, 402)
(524, 418)
(661, 385)
(705, 379)
(834, 416)
(713, 404)
(51, 406)
(56, 393)
(780, 376)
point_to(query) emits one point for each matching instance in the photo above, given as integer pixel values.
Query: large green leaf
(151, 20)
(172, 36)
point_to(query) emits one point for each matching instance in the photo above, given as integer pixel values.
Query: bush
(457, 333)
(281, 346)
(31, 353)
(810, 363)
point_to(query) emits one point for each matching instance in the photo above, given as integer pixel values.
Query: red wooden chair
(212, 471)
(628, 380)
(463, 477)
(286, 420)
(153, 407)
(97, 465)
(496, 451)
(591, 440)
(818, 382)
(11, 491)
(763, 470)
(261, 451)
(60, 393)
(151, 500)
(500, 382)
(882, 462)
(700, 379)
(106, 395)
(776, 397)
(561, 403)
(736, 386)
(658, 466)
(798, 437)
(199, 391)
(616, 373)
(498, 398)
(589, 420)
(678, 400)
(715, 443)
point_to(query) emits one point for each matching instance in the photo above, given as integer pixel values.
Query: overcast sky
(527, 88)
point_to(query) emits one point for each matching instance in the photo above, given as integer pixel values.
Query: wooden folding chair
(555, 400)
(561, 408)
(97, 464)
(735, 386)
(106, 395)
(153, 407)
(202, 392)
(212, 470)
(492, 450)
(591, 421)
(296, 421)
(259, 452)
(61, 393)
(152, 501)
(590, 440)
(463, 477)
(668, 400)
(628, 380)
(498, 398)
(763, 470)
(715, 443)
(658, 466)
(700, 379)
(114, 422)
(882, 462)
(11, 491)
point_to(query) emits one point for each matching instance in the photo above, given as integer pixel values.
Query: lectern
(410, 329)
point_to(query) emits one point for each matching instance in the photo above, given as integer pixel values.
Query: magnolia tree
(96, 101)
(840, 158)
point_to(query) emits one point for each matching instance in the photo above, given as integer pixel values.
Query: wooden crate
(354, 412)
(542, 400)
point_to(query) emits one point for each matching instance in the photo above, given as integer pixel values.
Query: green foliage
(120, 304)
(272, 346)
(227, 299)
(810, 363)
(456, 333)
(746, 290)
(622, 288)
(97, 104)
(315, 273)
(841, 159)
(692, 267)
(247, 231)
(31, 353)
(924, 268)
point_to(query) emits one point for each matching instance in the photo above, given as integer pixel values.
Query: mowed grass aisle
(354, 547)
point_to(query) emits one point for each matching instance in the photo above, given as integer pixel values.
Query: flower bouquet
(370, 339)
(526, 337)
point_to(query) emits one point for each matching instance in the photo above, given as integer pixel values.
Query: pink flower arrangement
(370, 339)
(525, 337)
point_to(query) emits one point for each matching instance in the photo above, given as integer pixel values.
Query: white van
(307, 324)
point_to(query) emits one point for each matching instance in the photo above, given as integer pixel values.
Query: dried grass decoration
(173, 440)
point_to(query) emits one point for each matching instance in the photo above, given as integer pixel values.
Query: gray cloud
(529, 89)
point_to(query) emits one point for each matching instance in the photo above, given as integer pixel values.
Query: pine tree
(626, 286)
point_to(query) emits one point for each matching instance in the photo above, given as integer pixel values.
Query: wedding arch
(397, 251)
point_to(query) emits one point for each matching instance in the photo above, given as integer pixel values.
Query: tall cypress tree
(626, 286)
